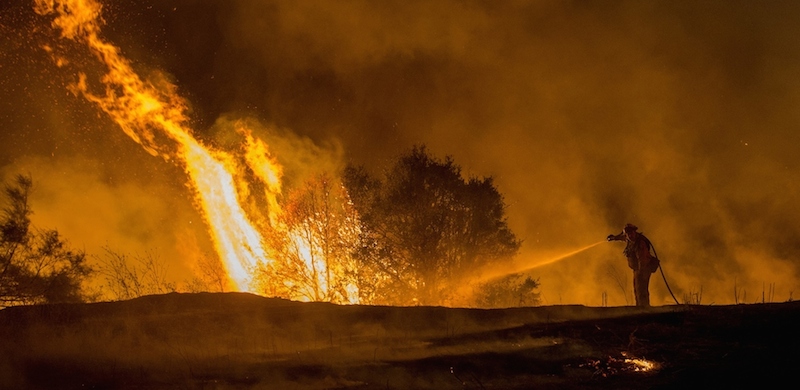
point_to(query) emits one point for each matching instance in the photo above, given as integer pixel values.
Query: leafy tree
(425, 228)
(36, 265)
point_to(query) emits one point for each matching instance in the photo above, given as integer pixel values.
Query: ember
(639, 364)
(613, 365)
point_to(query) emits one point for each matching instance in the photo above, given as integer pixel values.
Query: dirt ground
(242, 341)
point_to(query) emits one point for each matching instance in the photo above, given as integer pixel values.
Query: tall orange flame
(154, 116)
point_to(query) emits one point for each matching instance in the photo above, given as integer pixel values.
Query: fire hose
(661, 268)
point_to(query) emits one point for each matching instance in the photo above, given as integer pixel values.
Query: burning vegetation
(416, 234)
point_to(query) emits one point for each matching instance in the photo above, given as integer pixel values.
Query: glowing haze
(678, 116)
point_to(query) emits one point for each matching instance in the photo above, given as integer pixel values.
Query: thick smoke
(94, 212)
(675, 116)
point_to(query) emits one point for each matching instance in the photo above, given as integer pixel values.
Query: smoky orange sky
(678, 116)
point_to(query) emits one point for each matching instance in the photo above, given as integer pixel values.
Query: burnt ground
(242, 341)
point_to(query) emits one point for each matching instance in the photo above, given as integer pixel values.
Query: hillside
(243, 341)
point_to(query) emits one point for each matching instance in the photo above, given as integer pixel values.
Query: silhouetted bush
(36, 265)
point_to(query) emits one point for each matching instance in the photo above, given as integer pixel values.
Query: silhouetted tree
(36, 265)
(425, 229)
